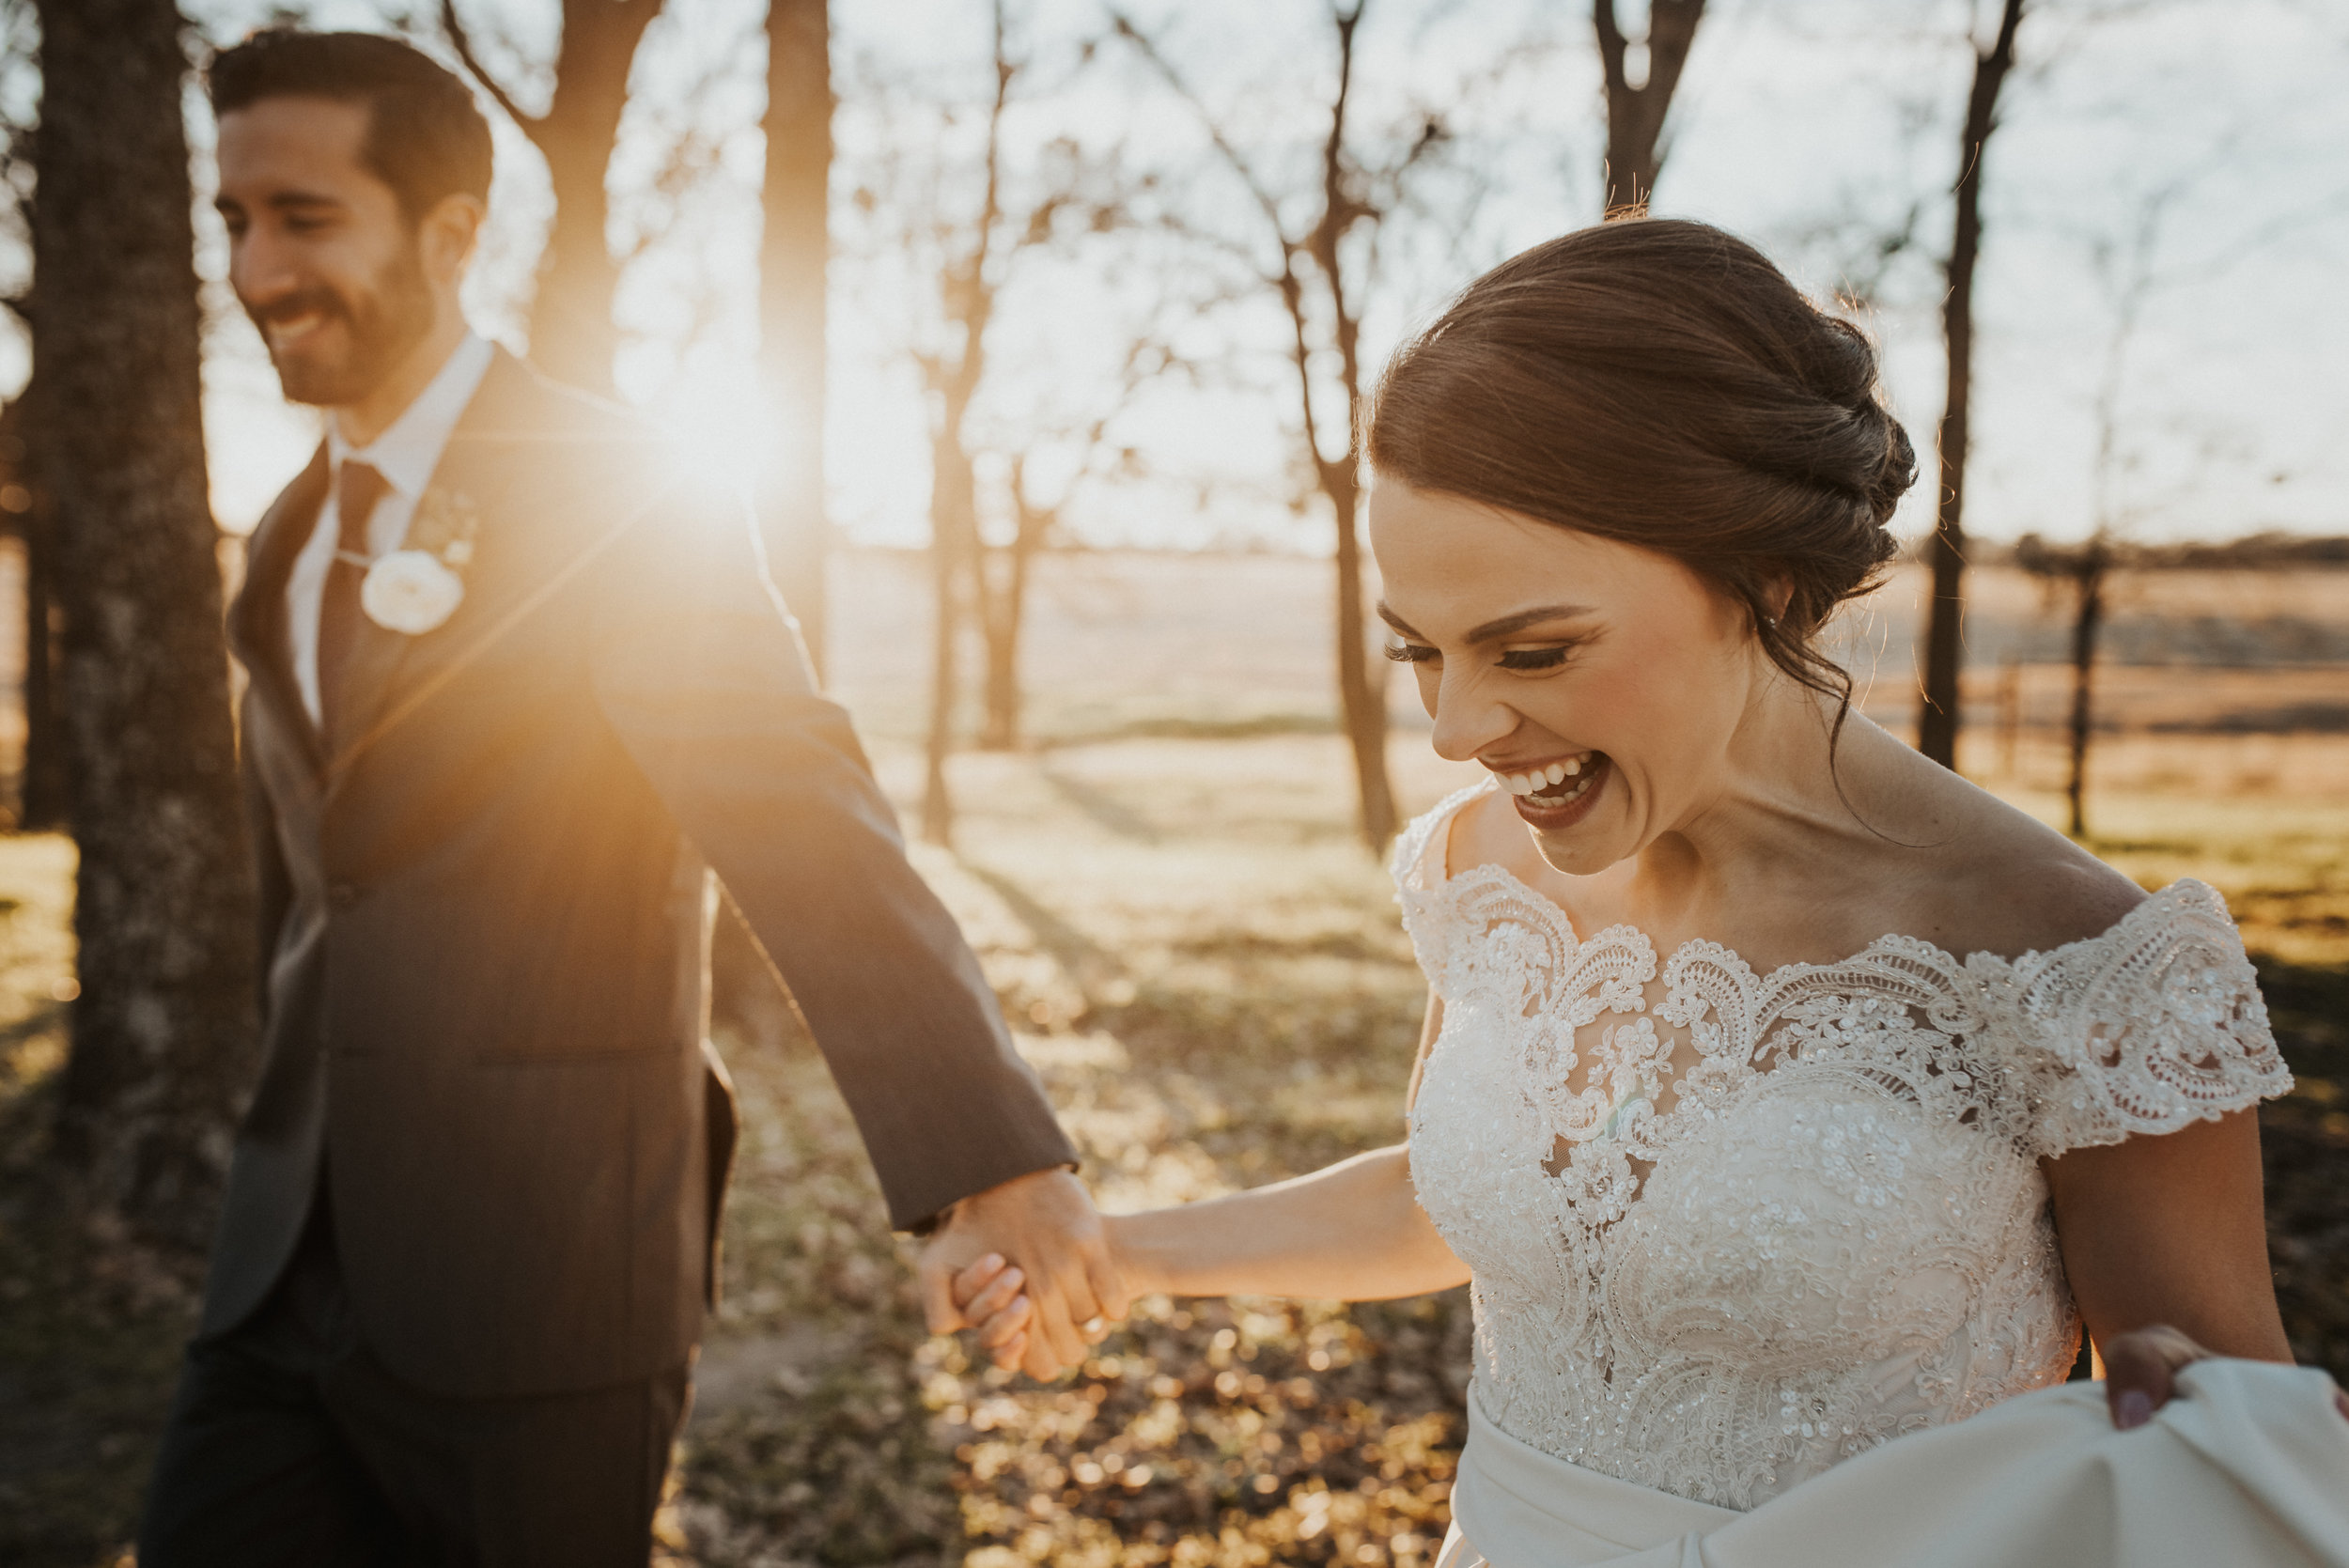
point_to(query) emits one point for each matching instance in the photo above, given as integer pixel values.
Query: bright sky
(1813, 126)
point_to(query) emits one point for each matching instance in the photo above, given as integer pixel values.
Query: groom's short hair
(427, 138)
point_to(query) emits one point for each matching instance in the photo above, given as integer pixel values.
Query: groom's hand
(1045, 1223)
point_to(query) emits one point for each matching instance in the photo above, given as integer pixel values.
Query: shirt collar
(410, 448)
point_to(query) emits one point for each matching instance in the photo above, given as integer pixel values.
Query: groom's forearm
(1350, 1232)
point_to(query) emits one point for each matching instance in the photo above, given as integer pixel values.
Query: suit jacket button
(343, 894)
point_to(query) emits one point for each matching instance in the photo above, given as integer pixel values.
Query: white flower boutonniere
(417, 588)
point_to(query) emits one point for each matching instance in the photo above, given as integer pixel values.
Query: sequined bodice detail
(1728, 1229)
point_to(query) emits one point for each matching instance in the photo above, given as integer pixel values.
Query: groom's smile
(322, 253)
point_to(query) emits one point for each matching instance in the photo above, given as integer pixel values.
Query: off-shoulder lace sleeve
(1419, 885)
(2155, 1024)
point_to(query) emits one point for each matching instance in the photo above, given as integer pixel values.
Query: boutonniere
(417, 587)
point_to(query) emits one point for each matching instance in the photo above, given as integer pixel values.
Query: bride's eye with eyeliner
(1409, 653)
(1536, 658)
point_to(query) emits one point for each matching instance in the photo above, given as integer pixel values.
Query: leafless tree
(1938, 716)
(164, 1022)
(968, 226)
(2129, 277)
(1322, 283)
(791, 281)
(1035, 517)
(1635, 114)
(573, 335)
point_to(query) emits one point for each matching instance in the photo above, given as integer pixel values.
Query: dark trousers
(290, 1446)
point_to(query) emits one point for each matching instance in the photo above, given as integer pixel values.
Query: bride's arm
(2165, 1246)
(1350, 1232)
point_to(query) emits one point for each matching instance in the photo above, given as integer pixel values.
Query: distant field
(1122, 638)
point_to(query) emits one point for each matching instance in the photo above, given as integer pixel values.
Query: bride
(1781, 1093)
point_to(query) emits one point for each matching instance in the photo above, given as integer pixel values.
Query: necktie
(355, 499)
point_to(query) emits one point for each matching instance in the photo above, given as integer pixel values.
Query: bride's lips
(1593, 779)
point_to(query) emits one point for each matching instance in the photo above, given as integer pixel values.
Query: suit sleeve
(699, 669)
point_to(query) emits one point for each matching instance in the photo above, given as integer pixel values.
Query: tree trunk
(163, 1028)
(1007, 612)
(791, 304)
(1635, 116)
(1362, 700)
(572, 337)
(2087, 624)
(1937, 718)
(953, 525)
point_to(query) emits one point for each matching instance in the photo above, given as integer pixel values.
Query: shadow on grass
(2303, 1143)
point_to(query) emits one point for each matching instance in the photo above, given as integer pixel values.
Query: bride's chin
(1573, 854)
(1584, 849)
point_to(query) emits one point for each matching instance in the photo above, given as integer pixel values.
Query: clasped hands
(1029, 1264)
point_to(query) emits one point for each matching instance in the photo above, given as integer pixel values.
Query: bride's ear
(1771, 596)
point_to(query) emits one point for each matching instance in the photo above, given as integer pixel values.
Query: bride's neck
(1797, 795)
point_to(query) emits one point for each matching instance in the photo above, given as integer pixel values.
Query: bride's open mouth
(1560, 794)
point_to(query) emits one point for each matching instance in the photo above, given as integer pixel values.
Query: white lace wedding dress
(1730, 1230)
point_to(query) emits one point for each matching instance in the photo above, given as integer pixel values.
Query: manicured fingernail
(993, 1260)
(2132, 1409)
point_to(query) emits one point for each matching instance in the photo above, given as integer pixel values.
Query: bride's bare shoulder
(1999, 880)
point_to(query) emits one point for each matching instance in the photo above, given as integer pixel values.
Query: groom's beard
(379, 325)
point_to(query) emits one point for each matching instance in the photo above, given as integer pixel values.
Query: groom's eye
(1410, 653)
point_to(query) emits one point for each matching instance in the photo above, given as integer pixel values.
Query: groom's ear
(448, 234)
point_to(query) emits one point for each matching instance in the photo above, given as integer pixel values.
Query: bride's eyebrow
(1495, 629)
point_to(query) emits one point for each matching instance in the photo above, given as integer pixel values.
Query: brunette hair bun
(1659, 383)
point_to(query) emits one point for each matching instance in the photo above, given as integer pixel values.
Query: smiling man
(519, 703)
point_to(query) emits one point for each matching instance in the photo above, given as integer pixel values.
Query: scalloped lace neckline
(1452, 884)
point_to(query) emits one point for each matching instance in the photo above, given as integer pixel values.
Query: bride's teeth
(1554, 772)
(1574, 764)
(1523, 784)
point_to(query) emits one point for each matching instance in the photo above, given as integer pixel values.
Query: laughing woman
(1782, 1093)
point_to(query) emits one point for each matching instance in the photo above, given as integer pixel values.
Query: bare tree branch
(1150, 52)
(461, 41)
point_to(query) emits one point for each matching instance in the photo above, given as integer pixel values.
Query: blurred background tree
(162, 1021)
(1940, 711)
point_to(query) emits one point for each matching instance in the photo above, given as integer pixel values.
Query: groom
(519, 699)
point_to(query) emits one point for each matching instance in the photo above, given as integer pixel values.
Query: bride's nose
(1466, 722)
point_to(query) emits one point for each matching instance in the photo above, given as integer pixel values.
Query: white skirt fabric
(2249, 1468)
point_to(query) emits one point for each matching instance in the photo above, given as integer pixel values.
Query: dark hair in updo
(1659, 383)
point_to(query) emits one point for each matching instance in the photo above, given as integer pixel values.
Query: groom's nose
(259, 271)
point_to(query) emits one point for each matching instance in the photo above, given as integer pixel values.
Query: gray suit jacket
(486, 906)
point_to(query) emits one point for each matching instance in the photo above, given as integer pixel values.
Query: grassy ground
(1210, 974)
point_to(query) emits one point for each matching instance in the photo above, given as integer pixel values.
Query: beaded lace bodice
(1728, 1229)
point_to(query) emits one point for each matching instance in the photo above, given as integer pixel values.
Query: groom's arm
(700, 672)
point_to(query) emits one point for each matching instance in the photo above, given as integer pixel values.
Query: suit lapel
(259, 620)
(475, 471)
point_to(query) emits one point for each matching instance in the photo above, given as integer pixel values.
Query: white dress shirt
(405, 453)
